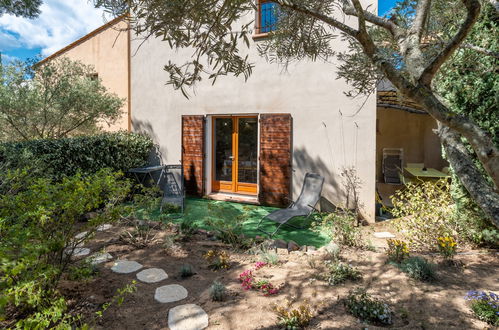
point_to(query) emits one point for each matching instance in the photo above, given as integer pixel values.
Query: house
(254, 141)
(107, 49)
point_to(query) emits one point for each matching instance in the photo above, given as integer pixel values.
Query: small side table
(144, 173)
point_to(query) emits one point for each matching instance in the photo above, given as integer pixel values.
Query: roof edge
(82, 39)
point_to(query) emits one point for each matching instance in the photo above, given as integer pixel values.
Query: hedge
(57, 158)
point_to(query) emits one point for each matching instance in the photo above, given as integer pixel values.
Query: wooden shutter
(275, 159)
(193, 153)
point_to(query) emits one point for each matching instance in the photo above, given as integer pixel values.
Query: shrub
(397, 250)
(217, 259)
(339, 272)
(187, 227)
(360, 304)
(293, 318)
(341, 227)
(186, 271)
(38, 226)
(269, 257)
(218, 292)
(140, 237)
(447, 246)
(418, 268)
(85, 154)
(83, 271)
(485, 306)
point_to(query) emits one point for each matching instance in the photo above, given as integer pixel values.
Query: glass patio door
(235, 154)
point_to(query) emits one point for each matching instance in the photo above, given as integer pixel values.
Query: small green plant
(82, 271)
(169, 243)
(140, 237)
(341, 227)
(187, 227)
(227, 223)
(186, 271)
(447, 247)
(119, 298)
(418, 268)
(269, 257)
(333, 251)
(217, 259)
(339, 272)
(293, 318)
(397, 250)
(218, 292)
(485, 306)
(360, 304)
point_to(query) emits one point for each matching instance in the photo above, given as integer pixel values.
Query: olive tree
(56, 99)
(409, 53)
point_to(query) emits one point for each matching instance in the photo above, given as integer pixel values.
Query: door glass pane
(247, 150)
(223, 149)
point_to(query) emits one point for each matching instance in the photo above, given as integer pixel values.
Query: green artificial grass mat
(200, 211)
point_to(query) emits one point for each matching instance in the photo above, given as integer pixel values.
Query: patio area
(201, 211)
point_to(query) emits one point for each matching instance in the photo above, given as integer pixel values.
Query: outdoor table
(430, 173)
(146, 172)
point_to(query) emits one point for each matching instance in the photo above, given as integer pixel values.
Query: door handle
(231, 157)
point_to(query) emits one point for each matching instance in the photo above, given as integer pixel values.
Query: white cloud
(6, 59)
(60, 23)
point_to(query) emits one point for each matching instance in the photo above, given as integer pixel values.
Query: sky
(60, 23)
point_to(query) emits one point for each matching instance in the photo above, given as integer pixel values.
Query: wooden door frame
(234, 186)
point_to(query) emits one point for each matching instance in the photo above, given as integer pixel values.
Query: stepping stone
(81, 235)
(99, 258)
(187, 317)
(383, 234)
(126, 266)
(170, 293)
(152, 275)
(78, 252)
(104, 227)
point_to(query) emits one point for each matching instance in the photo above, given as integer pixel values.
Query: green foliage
(484, 305)
(22, 8)
(218, 292)
(57, 99)
(186, 271)
(66, 157)
(360, 304)
(339, 272)
(293, 318)
(38, 225)
(187, 227)
(82, 271)
(341, 227)
(227, 224)
(397, 250)
(418, 268)
(118, 298)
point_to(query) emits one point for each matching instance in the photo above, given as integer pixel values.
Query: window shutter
(275, 159)
(193, 133)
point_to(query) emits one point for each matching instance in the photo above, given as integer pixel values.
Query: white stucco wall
(330, 130)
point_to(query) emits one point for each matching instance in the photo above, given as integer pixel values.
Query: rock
(311, 248)
(99, 258)
(210, 234)
(293, 246)
(383, 234)
(126, 266)
(282, 251)
(170, 293)
(279, 244)
(331, 249)
(81, 235)
(152, 275)
(202, 231)
(187, 317)
(104, 227)
(78, 252)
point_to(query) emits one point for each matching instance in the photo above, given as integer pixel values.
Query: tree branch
(420, 20)
(481, 50)
(474, 182)
(394, 29)
(473, 9)
(324, 18)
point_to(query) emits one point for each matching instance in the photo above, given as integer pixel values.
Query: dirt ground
(416, 305)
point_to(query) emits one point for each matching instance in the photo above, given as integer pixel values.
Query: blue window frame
(267, 16)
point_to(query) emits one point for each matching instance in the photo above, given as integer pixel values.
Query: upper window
(266, 16)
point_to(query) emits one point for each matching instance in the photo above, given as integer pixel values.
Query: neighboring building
(255, 140)
(107, 49)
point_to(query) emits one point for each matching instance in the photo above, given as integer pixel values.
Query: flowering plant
(484, 305)
(248, 281)
(397, 250)
(217, 259)
(447, 246)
